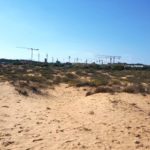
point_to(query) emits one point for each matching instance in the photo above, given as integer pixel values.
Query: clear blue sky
(79, 28)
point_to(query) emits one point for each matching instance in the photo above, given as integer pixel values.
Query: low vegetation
(34, 77)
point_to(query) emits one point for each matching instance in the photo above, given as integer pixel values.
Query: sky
(76, 28)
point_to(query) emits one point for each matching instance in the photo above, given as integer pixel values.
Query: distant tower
(69, 58)
(77, 60)
(46, 59)
(52, 59)
(38, 57)
(86, 61)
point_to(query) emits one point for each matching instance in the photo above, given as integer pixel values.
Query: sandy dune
(67, 120)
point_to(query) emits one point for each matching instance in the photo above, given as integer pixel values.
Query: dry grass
(104, 89)
(31, 78)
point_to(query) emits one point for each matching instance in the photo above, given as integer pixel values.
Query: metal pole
(38, 57)
(69, 58)
(31, 54)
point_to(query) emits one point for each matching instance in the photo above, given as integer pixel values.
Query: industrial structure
(32, 49)
(110, 59)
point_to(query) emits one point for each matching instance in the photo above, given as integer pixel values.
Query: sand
(68, 120)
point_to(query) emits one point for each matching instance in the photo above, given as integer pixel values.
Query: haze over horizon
(76, 28)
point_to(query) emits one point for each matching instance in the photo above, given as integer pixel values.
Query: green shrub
(117, 67)
(85, 83)
(135, 89)
(71, 76)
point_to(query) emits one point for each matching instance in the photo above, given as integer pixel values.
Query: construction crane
(112, 59)
(52, 59)
(69, 58)
(32, 49)
(47, 57)
(100, 61)
(115, 57)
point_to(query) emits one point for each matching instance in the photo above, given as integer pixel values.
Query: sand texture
(66, 119)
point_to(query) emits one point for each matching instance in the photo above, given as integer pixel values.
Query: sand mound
(67, 120)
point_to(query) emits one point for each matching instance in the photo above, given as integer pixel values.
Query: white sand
(67, 120)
